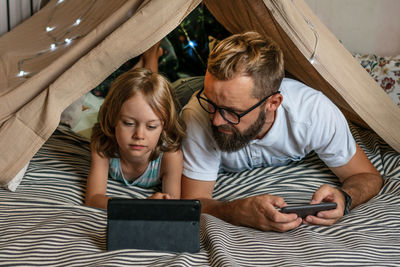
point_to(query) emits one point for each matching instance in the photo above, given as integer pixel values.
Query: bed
(44, 222)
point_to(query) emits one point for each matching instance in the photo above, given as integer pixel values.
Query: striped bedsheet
(44, 222)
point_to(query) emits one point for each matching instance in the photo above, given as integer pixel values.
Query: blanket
(44, 223)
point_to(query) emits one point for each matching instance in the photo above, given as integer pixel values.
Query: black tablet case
(154, 224)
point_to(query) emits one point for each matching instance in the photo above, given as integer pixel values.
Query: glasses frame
(223, 110)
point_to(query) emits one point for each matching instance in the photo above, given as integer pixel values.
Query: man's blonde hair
(249, 54)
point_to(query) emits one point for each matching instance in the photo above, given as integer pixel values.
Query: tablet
(153, 224)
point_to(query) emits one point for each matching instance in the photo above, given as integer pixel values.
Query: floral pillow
(385, 71)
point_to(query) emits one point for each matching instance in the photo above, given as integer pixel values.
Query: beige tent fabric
(30, 107)
(334, 71)
(29, 38)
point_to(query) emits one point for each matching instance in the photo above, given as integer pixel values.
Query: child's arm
(96, 187)
(171, 170)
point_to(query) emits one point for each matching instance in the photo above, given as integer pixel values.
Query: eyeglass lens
(211, 108)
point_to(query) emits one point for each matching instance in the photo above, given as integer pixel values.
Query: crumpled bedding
(44, 222)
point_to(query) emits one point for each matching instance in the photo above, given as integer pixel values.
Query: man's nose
(217, 119)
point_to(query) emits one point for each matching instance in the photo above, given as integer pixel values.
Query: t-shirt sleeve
(201, 158)
(331, 139)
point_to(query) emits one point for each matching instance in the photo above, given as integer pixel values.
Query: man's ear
(273, 102)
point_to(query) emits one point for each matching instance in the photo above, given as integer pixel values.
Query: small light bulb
(67, 40)
(22, 73)
(77, 22)
(53, 46)
(49, 29)
(191, 44)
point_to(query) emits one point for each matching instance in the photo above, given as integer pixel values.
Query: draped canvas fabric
(30, 107)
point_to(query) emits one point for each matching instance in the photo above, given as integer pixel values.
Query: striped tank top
(150, 178)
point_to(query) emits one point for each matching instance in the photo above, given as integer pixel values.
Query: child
(137, 139)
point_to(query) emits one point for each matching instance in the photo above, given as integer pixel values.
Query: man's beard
(236, 140)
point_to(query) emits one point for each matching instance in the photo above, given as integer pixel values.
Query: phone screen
(309, 209)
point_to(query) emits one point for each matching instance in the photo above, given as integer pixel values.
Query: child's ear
(274, 102)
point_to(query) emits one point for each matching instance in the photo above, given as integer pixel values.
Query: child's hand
(160, 195)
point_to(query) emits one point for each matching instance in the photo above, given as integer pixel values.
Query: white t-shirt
(305, 121)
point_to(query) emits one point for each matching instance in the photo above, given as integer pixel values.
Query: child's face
(138, 129)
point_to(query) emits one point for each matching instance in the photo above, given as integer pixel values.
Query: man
(247, 116)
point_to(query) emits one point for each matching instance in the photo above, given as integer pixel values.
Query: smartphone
(309, 209)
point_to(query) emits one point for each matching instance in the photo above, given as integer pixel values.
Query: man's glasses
(228, 114)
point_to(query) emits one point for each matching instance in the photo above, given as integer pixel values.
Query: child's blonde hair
(249, 54)
(156, 90)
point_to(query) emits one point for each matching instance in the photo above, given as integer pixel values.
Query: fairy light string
(312, 27)
(56, 41)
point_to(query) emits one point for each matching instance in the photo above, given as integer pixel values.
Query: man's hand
(359, 179)
(258, 212)
(261, 212)
(327, 193)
